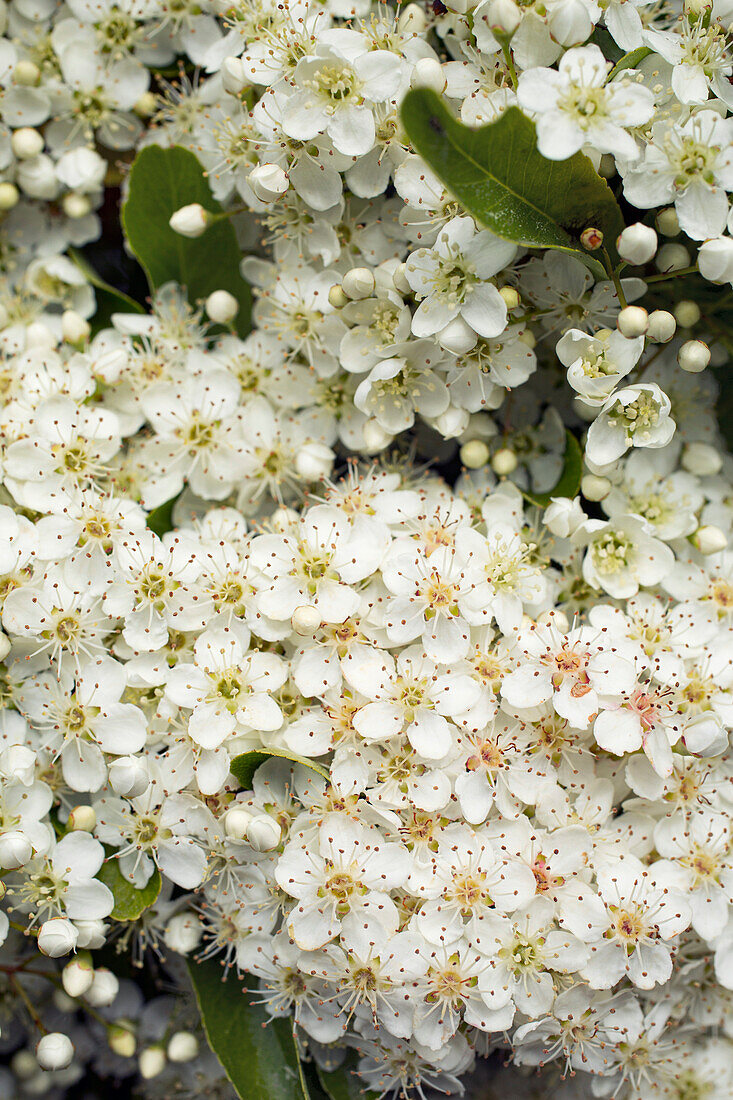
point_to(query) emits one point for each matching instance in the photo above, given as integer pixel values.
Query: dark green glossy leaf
(129, 902)
(160, 520)
(244, 766)
(500, 178)
(572, 472)
(109, 299)
(629, 61)
(259, 1055)
(162, 181)
(343, 1084)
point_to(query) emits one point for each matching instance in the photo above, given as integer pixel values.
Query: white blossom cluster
(491, 815)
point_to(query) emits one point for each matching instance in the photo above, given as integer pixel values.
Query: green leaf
(160, 520)
(501, 179)
(629, 61)
(572, 471)
(162, 181)
(259, 1055)
(343, 1084)
(244, 766)
(129, 902)
(109, 299)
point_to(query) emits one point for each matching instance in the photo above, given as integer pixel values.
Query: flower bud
(376, 438)
(128, 776)
(306, 620)
(702, 459)
(146, 105)
(78, 975)
(504, 462)
(554, 617)
(662, 326)
(693, 356)
(283, 518)
(92, 933)
(709, 539)
(510, 296)
(26, 74)
(222, 307)
(428, 73)
(632, 321)
(54, 1051)
(336, 297)
(63, 1002)
(104, 988)
(38, 335)
(57, 937)
(268, 181)
(82, 819)
(411, 20)
(234, 75)
(715, 260)
(26, 143)
(672, 257)
(400, 280)
(74, 329)
(263, 833)
(314, 461)
(18, 762)
(191, 220)
(687, 313)
(563, 516)
(15, 850)
(9, 196)
(237, 818)
(528, 338)
(75, 205)
(121, 1039)
(457, 337)
(595, 488)
(637, 244)
(474, 454)
(667, 222)
(503, 17)
(450, 423)
(591, 239)
(358, 283)
(182, 1047)
(24, 1065)
(151, 1062)
(183, 933)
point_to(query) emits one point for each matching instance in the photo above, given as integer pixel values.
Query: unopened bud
(632, 321)
(26, 143)
(18, 762)
(190, 221)
(504, 462)
(57, 937)
(693, 356)
(528, 338)
(128, 776)
(9, 196)
(400, 280)
(667, 222)
(306, 620)
(104, 988)
(591, 239)
(428, 73)
(146, 105)
(15, 850)
(457, 337)
(358, 283)
(450, 423)
(151, 1062)
(313, 461)
(563, 516)
(263, 833)
(715, 260)
(91, 933)
(234, 75)
(709, 539)
(182, 1047)
(595, 488)
(510, 296)
(555, 618)
(474, 454)
(38, 335)
(375, 437)
(637, 244)
(121, 1039)
(54, 1051)
(411, 20)
(662, 326)
(222, 307)
(268, 181)
(82, 819)
(687, 313)
(26, 74)
(672, 257)
(75, 205)
(78, 975)
(503, 17)
(74, 329)
(336, 297)
(702, 459)
(24, 1065)
(237, 819)
(183, 933)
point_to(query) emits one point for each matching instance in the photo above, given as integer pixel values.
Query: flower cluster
(323, 652)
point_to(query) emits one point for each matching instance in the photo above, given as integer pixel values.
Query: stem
(614, 276)
(510, 63)
(28, 1004)
(692, 270)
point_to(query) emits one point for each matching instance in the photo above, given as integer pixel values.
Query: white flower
(407, 382)
(622, 555)
(597, 363)
(575, 107)
(634, 416)
(64, 884)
